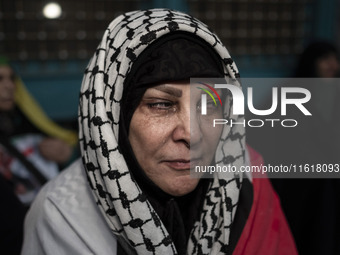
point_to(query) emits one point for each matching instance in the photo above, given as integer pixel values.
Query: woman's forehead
(178, 85)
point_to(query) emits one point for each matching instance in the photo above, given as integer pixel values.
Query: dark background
(263, 36)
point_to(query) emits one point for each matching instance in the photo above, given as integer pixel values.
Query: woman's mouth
(178, 164)
(183, 164)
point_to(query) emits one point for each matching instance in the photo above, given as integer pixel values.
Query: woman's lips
(182, 164)
(178, 164)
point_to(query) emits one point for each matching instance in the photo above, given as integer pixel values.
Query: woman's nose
(188, 128)
(195, 129)
(182, 128)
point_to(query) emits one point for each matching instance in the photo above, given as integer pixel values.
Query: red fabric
(266, 230)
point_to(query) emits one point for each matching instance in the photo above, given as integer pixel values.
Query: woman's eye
(211, 104)
(212, 109)
(161, 105)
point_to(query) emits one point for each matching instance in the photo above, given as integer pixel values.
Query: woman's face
(328, 66)
(167, 132)
(7, 88)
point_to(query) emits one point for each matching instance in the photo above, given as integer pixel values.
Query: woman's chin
(180, 186)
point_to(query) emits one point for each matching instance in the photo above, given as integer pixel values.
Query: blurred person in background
(32, 148)
(312, 206)
(320, 59)
(31, 145)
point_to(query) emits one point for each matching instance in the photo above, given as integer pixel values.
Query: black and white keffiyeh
(124, 206)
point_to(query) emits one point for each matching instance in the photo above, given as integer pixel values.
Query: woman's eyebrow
(169, 90)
